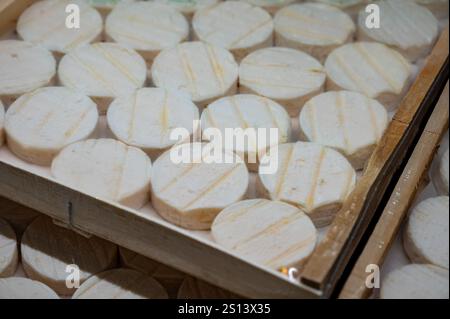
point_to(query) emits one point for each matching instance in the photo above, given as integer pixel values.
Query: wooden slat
(400, 202)
(330, 257)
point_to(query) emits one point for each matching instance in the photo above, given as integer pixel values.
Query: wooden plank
(328, 261)
(400, 202)
(10, 11)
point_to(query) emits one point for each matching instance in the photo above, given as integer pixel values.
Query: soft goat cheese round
(287, 76)
(347, 121)
(270, 233)
(44, 23)
(190, 191)
(416, 282)
(201, 71)
(313, 28)
(426, 235)
(315, 178)
(24, 67)
(40, 124)
(369, 68)
(236, 26)
(352, 7)
(247, 111)
(9, 253)
(105, 168)
(271, 6)
(48, 249)
(103, 71)
(120, 284)
(440, 174)
(404, 25)
(147, 27)
(146, 118)
(189, 7)
(23, 288)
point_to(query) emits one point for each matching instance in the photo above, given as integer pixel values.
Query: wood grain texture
(401, 200)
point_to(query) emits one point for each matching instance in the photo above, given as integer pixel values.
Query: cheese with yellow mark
(440, 174)
(23, 288)
(193, 288)
(270, 233)
(9, 252)
(40, 124)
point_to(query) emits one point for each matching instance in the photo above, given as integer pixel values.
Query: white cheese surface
(23, 288)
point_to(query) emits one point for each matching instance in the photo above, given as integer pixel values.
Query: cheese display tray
(195, 252)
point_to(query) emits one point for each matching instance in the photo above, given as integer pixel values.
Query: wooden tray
(194, 252)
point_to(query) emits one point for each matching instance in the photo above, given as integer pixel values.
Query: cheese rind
(103, 71)
(201, 71)
(287, 76)
(44, 23)
(190, 193)
(352, 7)
(416, 282)
(147, 27)
(193, 288)
(270, 233)
(48, 249)
(236, 26)
(440, 173)
(121, 284)
(105, 168)
(314, 178)
(23, 288)
(9, 253)
(370, 68)
(313, 28)
(347, 121)
(271, 6)
(40, 124)
(248, 111)
(405, 26)
(426, 235)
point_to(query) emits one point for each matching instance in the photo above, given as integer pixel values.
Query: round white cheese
(47, 251)
(103, 71)
(23, 288)
(352, 7)
(193, 288)
(190, 185)
(347, 121)
(147, 27)
(146, 118)
(41, 123)
(271, 6)
(24, 68)
(270, 233)
(426, 235)
(287, 76)
(9, 253)
(253, 114)
(438, 7)
(416, 282)
(121, 284)
(314, 28)
(189, 7)
(201, 71)
(130, 259)
(46, 23)
(315, 178)
(105, 168)
(404, 25)
(369, 68)
(236, 26)
(2, 120)
(440, 174)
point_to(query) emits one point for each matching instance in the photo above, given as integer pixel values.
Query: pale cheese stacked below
(105, 168)
(426, 235)
(285, 75)
(201, 71)
(190, 187)
(147, 27)
(404, 25)
(236, 26)
(271, 6)
(189, 7)
(438, 7)
(103, 71)
(193, 288)
(9, 252)
(253, 114)
(352, 7)
(270, 233)
(105, 6)
(416, 282)
(120, 284)
(2, 124)
(24, 68)
(48, 249)
(370, 68)
(440, 174)
(40, 124)
(347, 121)
(315, 178)
(23, 288)
(44, 23)
(313, 28)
